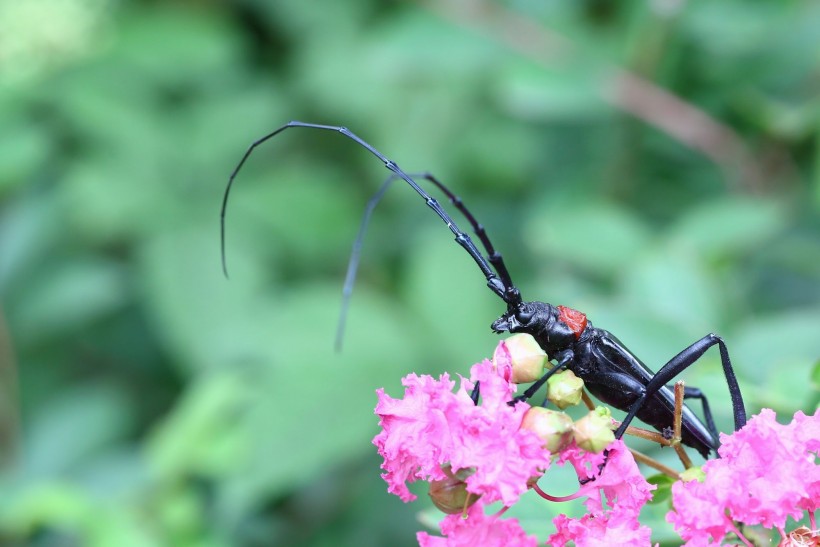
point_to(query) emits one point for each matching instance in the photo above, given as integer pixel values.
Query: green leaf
(23, 149)
(783, 378)
(595, 235)
(314, 407)
(663, 492)
(729, 226)
(195, 43)
(555, 94)
(69, 430)
(203, 435)
(671, 284)
(448, 294)
(71, 295)
(76, 515)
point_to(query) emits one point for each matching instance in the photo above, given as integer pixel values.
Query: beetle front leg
(564, 359)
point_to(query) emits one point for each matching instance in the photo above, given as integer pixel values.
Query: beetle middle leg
(681, 362)
(675, 366)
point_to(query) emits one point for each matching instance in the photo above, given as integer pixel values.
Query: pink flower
(477, 529)
(807, 428)
(625, 491)
(615, 527)
(488, 438)
(699, 514)
(767, 473)
(432, 426)
(415, 431)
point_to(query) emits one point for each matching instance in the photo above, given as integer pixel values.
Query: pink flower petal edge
(767, 473)
(432, 426)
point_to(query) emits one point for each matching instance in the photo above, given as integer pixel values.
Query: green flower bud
(693, 474)
(551, 426)
(450, 494)
(593, 432)
(565, 389)
(525, 356)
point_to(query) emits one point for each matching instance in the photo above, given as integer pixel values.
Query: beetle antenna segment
(496, 282)
(355, 256)
(493, 256)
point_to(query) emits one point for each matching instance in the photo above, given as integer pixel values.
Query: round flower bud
(565, 389)
(593, 432)
(525, 357)
(552, 427)
(693, 474)
(450, 494)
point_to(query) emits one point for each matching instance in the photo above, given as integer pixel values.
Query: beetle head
(540, 320)
(529, 317)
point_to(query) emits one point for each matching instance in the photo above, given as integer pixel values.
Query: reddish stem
(548, 497)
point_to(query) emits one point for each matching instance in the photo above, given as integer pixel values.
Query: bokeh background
(655, 164)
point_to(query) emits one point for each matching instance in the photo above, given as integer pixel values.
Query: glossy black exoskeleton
(610, 371)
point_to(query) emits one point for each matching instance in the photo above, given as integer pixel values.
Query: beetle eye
(524, 315)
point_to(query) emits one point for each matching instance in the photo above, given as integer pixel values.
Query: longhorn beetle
(609, 370)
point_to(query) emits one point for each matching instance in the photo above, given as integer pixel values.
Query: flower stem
(655, 464)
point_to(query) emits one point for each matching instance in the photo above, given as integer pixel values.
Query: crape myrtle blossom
(433, 426)
(477, 529)
(433, 433)
(614, 500)
(767, 472)
(475, 454)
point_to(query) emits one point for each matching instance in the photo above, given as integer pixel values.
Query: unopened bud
(450, 494)
(593, 432)
(565, 389)
(552, 427)
(525, 357)
(693, 474)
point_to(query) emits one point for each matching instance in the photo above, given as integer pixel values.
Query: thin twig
(684, 457)
(646, 434)
(655, 464)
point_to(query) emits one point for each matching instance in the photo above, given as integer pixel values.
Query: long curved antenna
(509, 294)
(494, 257)
(353, 262)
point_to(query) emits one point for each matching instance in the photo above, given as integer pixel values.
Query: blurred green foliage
(655, 164)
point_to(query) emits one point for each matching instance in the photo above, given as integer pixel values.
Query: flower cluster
(477, 529)
(767, 472)
(614, 500)
(432, 427)
(497, 451)
(479, 450)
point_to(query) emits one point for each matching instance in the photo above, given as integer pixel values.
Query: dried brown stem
(684, 458)
(647, 434)
(655, 464)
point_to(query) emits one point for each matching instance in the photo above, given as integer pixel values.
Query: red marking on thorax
(574, 319)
